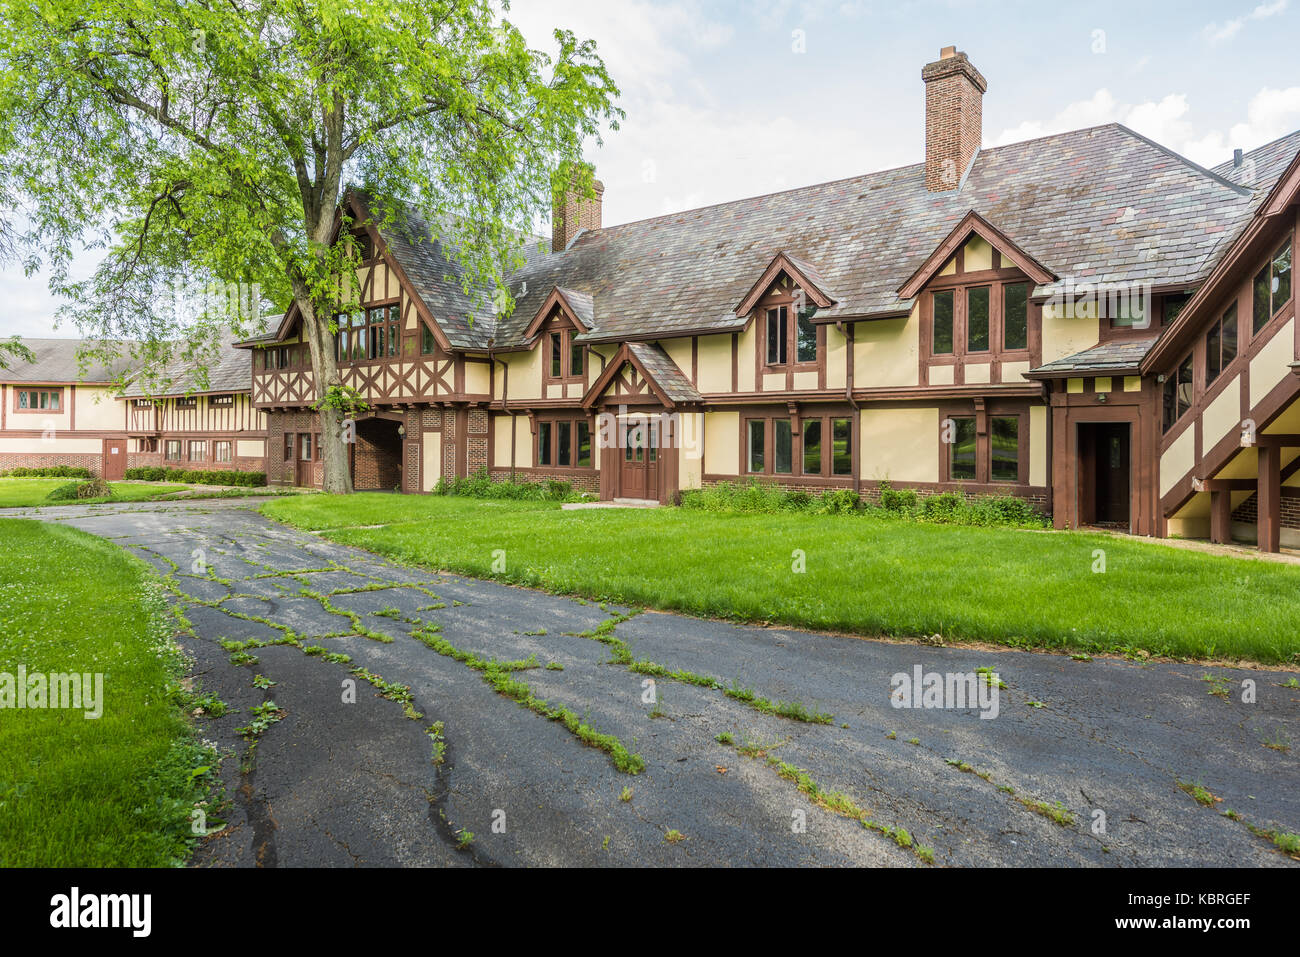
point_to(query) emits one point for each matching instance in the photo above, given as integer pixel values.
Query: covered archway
(377, 455)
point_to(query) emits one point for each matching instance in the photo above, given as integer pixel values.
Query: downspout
(1051, 475)
(847, 332)
(505, 404)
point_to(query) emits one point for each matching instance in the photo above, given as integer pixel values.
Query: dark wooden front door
(1105, 475)
(114, 459)
(639, 476)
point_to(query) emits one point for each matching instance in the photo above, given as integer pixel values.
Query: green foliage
(51, 471)
(198, 476)
(219, 140)
(481, 485)
(95, 488)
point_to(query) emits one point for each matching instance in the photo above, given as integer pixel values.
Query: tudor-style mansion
(1086, 320)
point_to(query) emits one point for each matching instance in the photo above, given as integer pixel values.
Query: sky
(733, 98)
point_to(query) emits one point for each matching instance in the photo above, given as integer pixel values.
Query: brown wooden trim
(782, 264)
(29, 389)
(954, 243)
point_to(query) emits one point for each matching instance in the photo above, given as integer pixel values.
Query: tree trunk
(333, 440)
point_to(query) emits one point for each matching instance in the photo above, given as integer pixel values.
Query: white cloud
(1218, 33)
(1271, 113)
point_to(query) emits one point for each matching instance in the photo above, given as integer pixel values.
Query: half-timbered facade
(994, 321)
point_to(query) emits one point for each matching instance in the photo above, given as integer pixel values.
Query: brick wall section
(239, 463)
(870, 491)
(477, 440)
(35, 460)
(378, 458)
(1248, 511)
(954, 118)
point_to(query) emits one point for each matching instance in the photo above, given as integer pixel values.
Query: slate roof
(229, 370)
(1270, 161)
(56, 361)
(1100, 205)
(664, 371)
(1116, 356)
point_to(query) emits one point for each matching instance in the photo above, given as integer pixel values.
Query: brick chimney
(574, 212)
(954, 118)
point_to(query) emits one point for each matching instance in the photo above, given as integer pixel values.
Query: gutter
(847, 332)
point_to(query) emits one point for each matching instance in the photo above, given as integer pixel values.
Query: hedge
(197, 476)
(50, 471)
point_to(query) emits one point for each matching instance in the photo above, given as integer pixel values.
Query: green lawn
(113, 791)
(26, 492)
(866, 575)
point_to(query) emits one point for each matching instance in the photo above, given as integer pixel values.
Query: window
(1221, 344)
(276, 357)
(39, 400)
(576, 354)
(943, 323)
(428, 344)
(1015, 316)
(1273, 286)
(565, 358)
(187, 402)
(805, 339)
(173, 451)
(146, 445)
(305, 444)
(288, 446)
(1178, 393)
(783, 447)
(198, 451)
(1173, 305)
(961, 448)
(374, 333)
(977, 319)
(756, 445)
(221, 400)
(583, 457)
(543, 443)
(841, 447)
(142, 403)
(1004, 448)
(557, 355)
(564, 444)
(812, 446)
(776, 336)
(782, 340)
(221, 452)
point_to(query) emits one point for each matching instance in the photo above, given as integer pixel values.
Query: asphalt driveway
(1088, 762)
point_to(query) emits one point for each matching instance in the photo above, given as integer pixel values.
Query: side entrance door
(305, 450)
(114, 460)
(640, 464)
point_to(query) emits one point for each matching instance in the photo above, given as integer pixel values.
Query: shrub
(840, 501)
(481, 485)
(897, 500)
(198, 476)
(946, 507)
(95, 488)
(49, 471)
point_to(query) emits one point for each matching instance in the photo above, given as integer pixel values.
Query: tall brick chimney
(574, 212)
(954, 118)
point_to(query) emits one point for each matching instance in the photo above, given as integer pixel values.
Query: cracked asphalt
(1102, 745)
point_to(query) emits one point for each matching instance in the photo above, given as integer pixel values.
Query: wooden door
(304, 474)
(114, 460)
(1113, 476)
(634, 471)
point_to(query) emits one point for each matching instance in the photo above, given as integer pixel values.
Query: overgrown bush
(158, 473)
(95, 488)
(49, 471)
(946, 508)
(481, 485)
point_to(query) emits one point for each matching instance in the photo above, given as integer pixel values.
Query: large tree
(206, 144)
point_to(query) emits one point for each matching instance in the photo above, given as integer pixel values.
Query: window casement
(994, 457)
(147, 445)
(373, 333)
(38, 400)
(565, 358)
(564, 443)
(142, 403)
(1273, 287)
(288, 446)
(784, 339)
(198, 450)
(819, 446)
(979, 320)
(276, 357)
(221, 451)
(428, 343)
(305, 446)
(187, 402)
(173, 450)
(221, 401)
(1221, 344)
(1177, 393)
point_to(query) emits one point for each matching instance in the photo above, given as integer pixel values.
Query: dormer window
(974, 320)
(785, 339)
(565, 358)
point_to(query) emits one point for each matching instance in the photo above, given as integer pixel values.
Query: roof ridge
(1221, 180)
(1260, 148)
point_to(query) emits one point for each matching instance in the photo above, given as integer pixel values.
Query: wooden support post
(1269, 499)
(1221, 517)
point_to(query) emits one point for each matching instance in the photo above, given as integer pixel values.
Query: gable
(974, 246)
